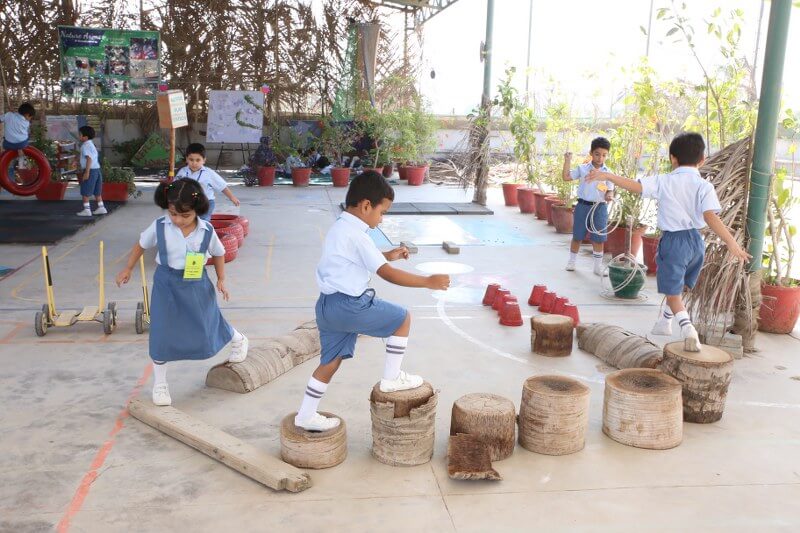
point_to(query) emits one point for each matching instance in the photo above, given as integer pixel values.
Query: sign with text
(172, 110)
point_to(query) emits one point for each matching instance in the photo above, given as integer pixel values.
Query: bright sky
(582, 44)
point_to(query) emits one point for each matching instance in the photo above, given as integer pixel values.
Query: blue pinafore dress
(185, 320)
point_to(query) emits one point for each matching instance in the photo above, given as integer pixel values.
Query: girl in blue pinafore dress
(185, 320)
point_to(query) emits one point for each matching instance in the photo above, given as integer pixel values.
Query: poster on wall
(64, 128)
(235, 116)
(109, 64)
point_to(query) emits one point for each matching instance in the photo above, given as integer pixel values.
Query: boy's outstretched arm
(567, 163)
(407, 279)
(400, 252)
(718, 227)
(227, 192)
(619, 181)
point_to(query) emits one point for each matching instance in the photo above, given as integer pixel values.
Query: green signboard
(109, 64)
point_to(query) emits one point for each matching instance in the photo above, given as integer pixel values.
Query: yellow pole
(102, 280)
(144, 287)
(48, 283)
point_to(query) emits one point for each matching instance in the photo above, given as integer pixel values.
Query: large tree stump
(704, 375)
(551, 335)
(489, 417)
(642, 408)
(403, 425)
(468, 457)
(553, 415)
(312, 449)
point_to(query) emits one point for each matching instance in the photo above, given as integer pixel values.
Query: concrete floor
(70, 456)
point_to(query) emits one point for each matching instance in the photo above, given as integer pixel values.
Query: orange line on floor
(90, 476)
(11, 334)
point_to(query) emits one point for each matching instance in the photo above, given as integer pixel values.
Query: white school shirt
(589, 191)
(210, 180)
(349, 257)
(16, 129)
(683, 196)
(178, 245)
(89, 149)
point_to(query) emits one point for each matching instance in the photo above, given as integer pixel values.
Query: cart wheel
(112, 306)
(46, 313)
(139, 322)
(109, 319)
(40, 324)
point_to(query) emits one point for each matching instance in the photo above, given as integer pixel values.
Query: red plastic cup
(511, 315)
(548, 299)
(491, 292)
(504, 300)
(558, 305)
(498, 298)
(536, 294)
(571, 311)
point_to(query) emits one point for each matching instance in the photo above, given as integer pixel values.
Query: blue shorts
(94, 185)
(341, 318)
(679, 258)
(14, 146)
(207, 216)
(580, 221)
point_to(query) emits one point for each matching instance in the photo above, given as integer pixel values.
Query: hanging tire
(139, 320)
(40, 324)
(27, 189)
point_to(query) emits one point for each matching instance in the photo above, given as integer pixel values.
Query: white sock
(100, 204)
(573, 256)
(667, 315)
(86, 206)
(683, 319)
(237, 337)
(314, 391)
(159, 374)
(395, 350)
(598, 259)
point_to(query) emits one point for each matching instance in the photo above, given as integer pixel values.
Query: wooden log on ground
(553, 415)
(403, 425)
(215, 443)
(266, 360)
(642, 407)
(618, 347)
(313, 449)
(704, 375)
(489, 417)
(468, 457)
(551, 335)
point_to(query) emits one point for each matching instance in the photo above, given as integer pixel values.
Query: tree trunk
(489, 417)
(553, 415)
(312, 449)
(551, 335)
(403, 425)
(705, 376)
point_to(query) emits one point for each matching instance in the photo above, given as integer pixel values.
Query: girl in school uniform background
(185, 320)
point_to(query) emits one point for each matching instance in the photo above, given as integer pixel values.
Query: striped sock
(598, 259)
(314, 391)
(683, 319)
(395, 350)
(667, 314)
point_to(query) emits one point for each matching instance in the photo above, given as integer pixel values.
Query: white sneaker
(570, 266)
(317, 423)
(662, 327)
(22, 163)
(403, 382)
(238, 350)
(161, 395)
(599, 270)
(100, 211)
(84, 213)
(691, 340)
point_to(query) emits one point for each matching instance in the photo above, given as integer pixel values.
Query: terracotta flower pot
(115, 192)
(526, 200)
(52, 190)
(549, 202)
(562, 218)
(340, 177)
(541, 208)
(649, 248)
(301, 176)
(401, 171)
(416, 175)
(266, 176)
(618, 240)
(387, 170)
(780, 308)
(379, 170)
(491, 292)
(510, 193)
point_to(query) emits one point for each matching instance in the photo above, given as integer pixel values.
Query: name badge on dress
(194, 266)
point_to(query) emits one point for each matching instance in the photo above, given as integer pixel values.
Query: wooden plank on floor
(227, 449)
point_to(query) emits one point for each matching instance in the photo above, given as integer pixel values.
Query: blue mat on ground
(37, 222)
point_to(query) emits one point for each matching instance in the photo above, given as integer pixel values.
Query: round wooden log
(551, 335)
(704, 375)
(403, 425)
(489, 417)
(313, 449)
(553, 415)
(642, 408)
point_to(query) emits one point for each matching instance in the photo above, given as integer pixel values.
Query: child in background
(347, 307)
(186, 323)
(17, 132)
(211, 181)
(686, 204)
(590, 195)
(90, 177)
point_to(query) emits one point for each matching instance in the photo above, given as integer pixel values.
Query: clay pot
(510, 193)
(549, 202)
(416, 175)
(536, 294)
(402, 172)
(52, 190)
(115, 192)
(387, 170)
(340, 177)
(491, 292)
(541, 208)
(562, 218)
(266, 176)
(526, 200)
(649, 249)
(548, 299)
(618, 240)
(301, 176)
(780, 308)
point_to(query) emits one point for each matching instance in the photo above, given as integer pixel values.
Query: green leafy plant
(377, 126)
(125, 175)
(128, 149)
(523, 126)
(560, 135)
(337, 139)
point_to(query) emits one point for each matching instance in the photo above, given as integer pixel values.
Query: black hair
(687, 148)
(184, 195)
(600, 142)
(27, 109)
(196, 148)
(87, 131)
(369, 185)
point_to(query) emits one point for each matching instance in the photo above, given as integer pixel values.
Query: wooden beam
(227, 449)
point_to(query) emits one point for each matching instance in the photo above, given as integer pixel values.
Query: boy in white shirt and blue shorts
(211, 181)
(686, 204)
(90, 177)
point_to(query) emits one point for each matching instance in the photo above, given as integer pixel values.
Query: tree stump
(704, 375)
(551, 335)
(642, 408)
(313, 449)
(489, 417)
(468, 457)
(553, 415)
(403, 425)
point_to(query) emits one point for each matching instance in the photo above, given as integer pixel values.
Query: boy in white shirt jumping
(211, 181)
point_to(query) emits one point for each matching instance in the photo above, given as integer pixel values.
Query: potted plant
(376, 126)
(336, 141)
(118, 183)
(649, 248)
(301, 173)
(562, 209)
(412, 135)
(54, 189)
(264, 160)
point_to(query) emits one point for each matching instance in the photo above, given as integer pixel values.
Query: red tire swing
(28, 188)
